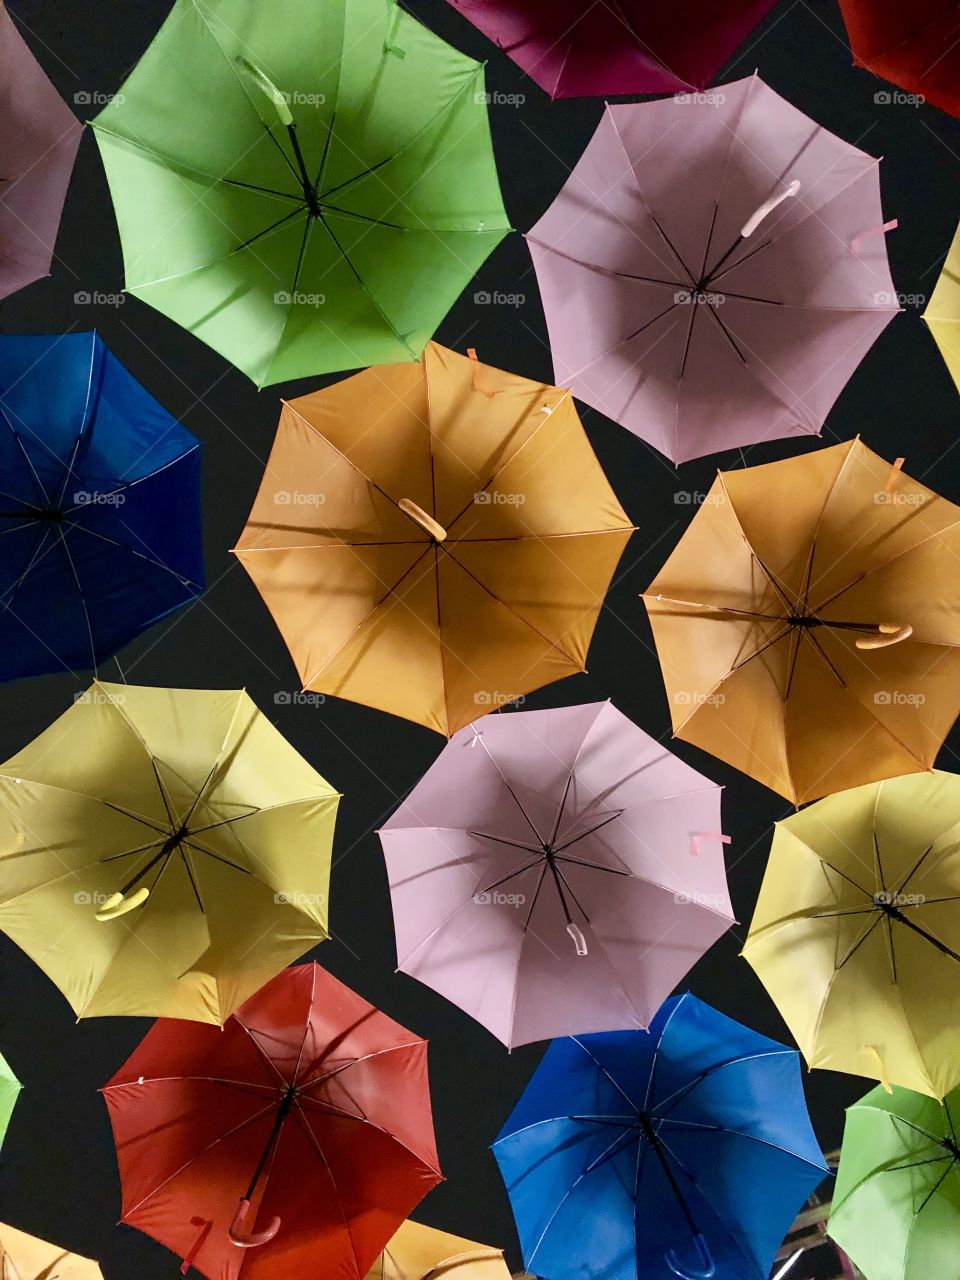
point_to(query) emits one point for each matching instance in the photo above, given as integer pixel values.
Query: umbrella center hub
(951, 1148)
(806, 620)
(52, 514)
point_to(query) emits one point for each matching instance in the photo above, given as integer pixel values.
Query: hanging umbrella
(40, 140)
(10, 1088)
(434, 540)
(99, 506)
(557, 872)
(943, 310)
(682, 1152)
(709, 272)
(290, 1144)
(860, 897)
(24, 1257)
(338, 199)
(896, 1207)
(163, 852)
(808, 622)
(912, 45)
(423, 1253)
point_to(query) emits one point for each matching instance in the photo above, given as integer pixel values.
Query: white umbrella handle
(768, 206)
(425, 521)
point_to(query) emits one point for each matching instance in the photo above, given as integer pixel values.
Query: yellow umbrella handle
(426, 522)
(485, 391)
(888, 633)
(118, 905)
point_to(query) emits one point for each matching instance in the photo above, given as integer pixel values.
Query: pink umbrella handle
(768, 206)
(697, 836)
(888, 633)
(580, 942)
(472, 353)
(857, 241)
(257, 1238)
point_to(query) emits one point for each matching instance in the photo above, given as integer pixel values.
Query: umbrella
(10, 1088)
(710, 273)
(859, 897)
(99, 506)
(625, 47)
(291, 1144)
(339, 198)
(943, 310)
(163, 852)
(423, 1253)
(24, 1257)
(808, 622)
(912, 45)
(434, 540)
(896, 1207)
(40, 140)
(682, 1152)
(557, 872)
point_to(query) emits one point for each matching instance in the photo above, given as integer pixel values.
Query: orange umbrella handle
(257, 1238)
(888, 633)
(472, 355)
(426, 522)
(118, 905)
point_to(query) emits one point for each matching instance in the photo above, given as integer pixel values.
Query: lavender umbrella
(714, 270)
(40, 140)
(556, 872)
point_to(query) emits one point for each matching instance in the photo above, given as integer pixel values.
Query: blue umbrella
(685, 1150)
(99, 506)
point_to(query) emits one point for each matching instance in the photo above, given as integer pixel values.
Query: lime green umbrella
(9, 1092)
(896, 1205)
(305, 185)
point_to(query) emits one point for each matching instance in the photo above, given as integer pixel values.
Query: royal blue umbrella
(99, 506)
(685, 1150)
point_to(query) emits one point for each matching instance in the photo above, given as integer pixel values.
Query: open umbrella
(896, 1206)
(10, 1088)
(626, 46)
(710, 273)
(860, 897)
(808, 622)
(434, 540)
(289, 1145)
(40, 140)
(339, 197)
(99, 506)
(423, 1253)
(163, 852)
(912, 45)
(24, 1257)
(557, 872)
(682, 1152)
(943, 310)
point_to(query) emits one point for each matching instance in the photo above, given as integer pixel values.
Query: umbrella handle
(888, 633)
(768, 206)
(580, 942)
(708, 1267)
(256, 1238)
(857, 241)
(426, 522)
(267, 87)
(472, 355)
(118, 904)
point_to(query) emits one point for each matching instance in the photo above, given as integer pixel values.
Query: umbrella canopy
(92, 470)
(630, 46)
(340, 196)
(896, 1207)
(163, 852)
(24, 1257)
(10, 1088)
(912, 45)
(682, 1152)
(40, 140)
(423, 1253)
(943, 310)
(434, 540)
(708, 272)
(289, 1145)
(808, 622)
(860, 896)
(557, 872)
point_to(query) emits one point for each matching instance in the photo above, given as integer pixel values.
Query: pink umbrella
(573, 49)
(556, 872)
(40, 140)
(714, 270)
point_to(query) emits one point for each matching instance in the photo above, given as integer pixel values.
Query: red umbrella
(912, 43)
(290, 1144)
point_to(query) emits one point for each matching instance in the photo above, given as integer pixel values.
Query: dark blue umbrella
(685, 1150)
(99, 506)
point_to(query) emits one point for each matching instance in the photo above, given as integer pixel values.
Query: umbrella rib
(506, 783)
(935, 1188)
(83, 599)
(125, 546)
(679, 1095)
(316, 1147)
(6, 601)
(855, 946)
(383, 315)
(266, 191)
(598, 866)
(612, 818)
(294, 213)
(31, 469)
(512, 844)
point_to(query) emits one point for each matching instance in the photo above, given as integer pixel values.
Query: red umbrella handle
(257, 1238)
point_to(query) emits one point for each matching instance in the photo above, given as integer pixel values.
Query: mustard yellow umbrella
(24, 1257)
(943, 310)
(163, 852)
(856, 933)
(417, 1252)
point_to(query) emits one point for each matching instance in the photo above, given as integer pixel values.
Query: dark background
(58, 1173)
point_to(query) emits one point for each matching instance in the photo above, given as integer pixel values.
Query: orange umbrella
(808, 622)
(434, 539)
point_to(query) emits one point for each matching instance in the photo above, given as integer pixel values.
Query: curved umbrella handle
(708, 1267)
(426, 522)
(118, 904)
(579, 941)
(256, 1238)
(768, 206)
(888, 633)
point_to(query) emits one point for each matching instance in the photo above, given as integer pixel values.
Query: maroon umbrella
(574, 49)
(40, 139)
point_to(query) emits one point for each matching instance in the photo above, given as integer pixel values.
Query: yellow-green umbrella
(9, 1092)
(943, 310)
(163, 852)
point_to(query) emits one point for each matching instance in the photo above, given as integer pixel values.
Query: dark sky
(58, 1174)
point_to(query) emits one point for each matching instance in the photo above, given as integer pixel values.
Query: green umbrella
(896, 1205)
(9, 1092)
(305, 185)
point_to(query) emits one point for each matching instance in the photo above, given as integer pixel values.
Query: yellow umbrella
(163, 852)
(943, 310)
(856, 933)
(24, 1257)
(422, 1253)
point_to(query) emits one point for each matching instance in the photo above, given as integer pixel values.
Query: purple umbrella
(556, 872)
(40, 140)
(714, 270)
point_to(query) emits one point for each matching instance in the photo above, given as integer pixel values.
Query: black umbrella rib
(326, 151)
(592, 830)
(299, 212)
(266, 191)
(31, 469)
(125, 546)
(83, 598)
(513, 844)
(596, 866)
